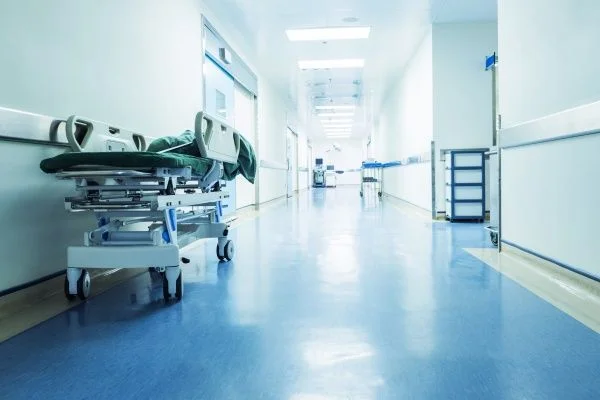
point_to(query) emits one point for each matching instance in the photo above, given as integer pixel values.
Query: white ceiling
(397, 27)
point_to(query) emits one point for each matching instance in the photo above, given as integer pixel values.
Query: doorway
(292, 162)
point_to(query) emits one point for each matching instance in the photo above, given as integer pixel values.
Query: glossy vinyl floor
(330, 297)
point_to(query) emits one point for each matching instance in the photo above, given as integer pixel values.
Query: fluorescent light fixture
(330, 126)
(350, 114)
(337, 121)
(339, 136)
(324, 34)
(335, 107)
(326, 64)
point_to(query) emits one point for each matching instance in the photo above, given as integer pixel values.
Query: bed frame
(143, 214)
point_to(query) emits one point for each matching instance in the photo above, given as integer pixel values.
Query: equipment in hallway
(465, 184)
(494, 225)
(330, 178)
(318, 174)
(170, 188)
(371, 177)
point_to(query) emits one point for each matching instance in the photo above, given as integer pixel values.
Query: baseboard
(568, 291)
(548, 262)
(423, 212)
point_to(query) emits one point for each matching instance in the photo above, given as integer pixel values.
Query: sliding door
(245, 123)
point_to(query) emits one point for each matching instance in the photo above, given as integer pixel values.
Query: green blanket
(186, 156)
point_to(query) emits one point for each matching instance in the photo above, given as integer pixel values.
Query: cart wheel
(361, 194)
(379, 194)
(494, 238)
(83, 285)
(219, 255)
(228, 251)
(68, 295)
(178, 288)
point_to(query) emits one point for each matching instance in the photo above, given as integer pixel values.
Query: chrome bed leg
(173, 279)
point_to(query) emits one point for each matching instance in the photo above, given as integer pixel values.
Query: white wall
(351, 156)
(462, 101)
(272, 142)
(547, 64)
(547, 57)
(303, 162)
(405, 128)
(136, 64)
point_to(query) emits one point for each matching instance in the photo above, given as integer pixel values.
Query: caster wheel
(84, 284)
(228, 252)
(361, 194)
(68, 295)
(379, 194)
(494, 238)
(178, 288)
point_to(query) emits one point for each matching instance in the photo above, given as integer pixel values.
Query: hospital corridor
(316, 200)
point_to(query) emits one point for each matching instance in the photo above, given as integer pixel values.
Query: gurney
(148, 199)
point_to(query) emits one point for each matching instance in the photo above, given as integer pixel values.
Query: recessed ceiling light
(350, 114)
(326, 64)
(335, 107)
(321, 34)
(337, 120)
(350, 19)
(337, 125)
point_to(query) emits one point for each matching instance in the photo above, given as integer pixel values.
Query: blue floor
(330, 297)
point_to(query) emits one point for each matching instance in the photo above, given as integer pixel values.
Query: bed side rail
(86, 135)
(216, 140)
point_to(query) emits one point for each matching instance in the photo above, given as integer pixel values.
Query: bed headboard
(86, 135)
(217, 140)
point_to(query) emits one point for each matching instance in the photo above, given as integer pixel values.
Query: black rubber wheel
(68, 295)
(179, 287)
(379, 194)
(83, 285)
(219, 256)
(361, 194)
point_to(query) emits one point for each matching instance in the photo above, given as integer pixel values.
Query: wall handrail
(273, 165)
(568, 124)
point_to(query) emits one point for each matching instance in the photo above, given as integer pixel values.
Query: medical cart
(371, 176)
(465, 185)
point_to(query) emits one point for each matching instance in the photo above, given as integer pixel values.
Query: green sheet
(186, 156)
(125, 159)
(246, 164)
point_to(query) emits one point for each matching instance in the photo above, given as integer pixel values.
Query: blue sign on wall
(490, 61)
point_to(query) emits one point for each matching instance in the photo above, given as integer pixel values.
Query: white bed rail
(216, 140)
(86, 135)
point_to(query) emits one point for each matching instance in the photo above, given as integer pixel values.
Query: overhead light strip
(335, 107)
(337, 121)
(342, 114)
(331, 33)
(327, 64)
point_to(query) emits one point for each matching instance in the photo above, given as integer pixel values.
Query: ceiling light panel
(328, 64)
(342, 114)
(335, 107)
(324, 34)
(337, 120)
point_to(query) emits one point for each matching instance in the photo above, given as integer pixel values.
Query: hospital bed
(147, 197)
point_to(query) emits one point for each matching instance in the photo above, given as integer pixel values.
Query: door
(290, 179)
(219, 103)
(245, 123)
